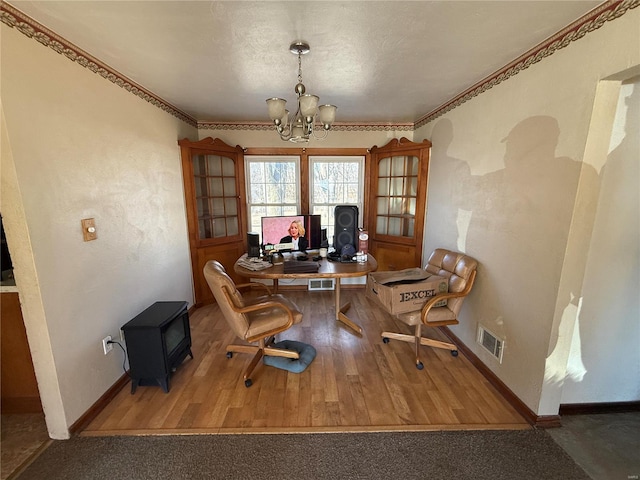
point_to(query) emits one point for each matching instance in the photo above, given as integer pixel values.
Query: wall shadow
(610, 312)
(518, 220)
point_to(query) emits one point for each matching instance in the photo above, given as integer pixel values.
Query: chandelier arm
(326, 133)
(298, 128)
(286, 132)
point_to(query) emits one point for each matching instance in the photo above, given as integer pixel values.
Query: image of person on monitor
(296, 236)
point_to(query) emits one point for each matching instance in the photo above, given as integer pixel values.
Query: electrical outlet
(106, 346)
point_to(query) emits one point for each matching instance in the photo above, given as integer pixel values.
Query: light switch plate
(89, 229)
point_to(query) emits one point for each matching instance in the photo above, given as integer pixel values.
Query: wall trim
(336, 127)
(597, 408)
(538, 421)
(99, 405)
(30, 404)
(589, 22)
(26, 25)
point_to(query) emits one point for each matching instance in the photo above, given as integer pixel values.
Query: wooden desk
(327, 269)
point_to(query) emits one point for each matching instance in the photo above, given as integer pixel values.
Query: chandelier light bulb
(301, 126)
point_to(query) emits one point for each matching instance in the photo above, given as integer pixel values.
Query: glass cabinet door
(213, 175)
(397, 203)
(216, 195)
(397, 191)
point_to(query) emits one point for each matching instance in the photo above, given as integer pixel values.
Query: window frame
(304, 187)
(248, 159)
(329, 224)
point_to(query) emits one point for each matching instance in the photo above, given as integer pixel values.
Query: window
(272, 187)
(335, 181)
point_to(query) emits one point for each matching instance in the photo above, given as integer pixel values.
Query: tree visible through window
(272, 187)
(335, 181)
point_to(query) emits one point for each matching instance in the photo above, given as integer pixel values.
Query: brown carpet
(473, 455)
(23, 434)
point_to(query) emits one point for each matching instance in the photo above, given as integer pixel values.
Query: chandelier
(299, 127)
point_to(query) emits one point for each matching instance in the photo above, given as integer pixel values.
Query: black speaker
(253, 245)
(313, 230)
(346, 226)
(324, 242)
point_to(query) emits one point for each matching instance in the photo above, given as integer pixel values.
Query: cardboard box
(405, 290)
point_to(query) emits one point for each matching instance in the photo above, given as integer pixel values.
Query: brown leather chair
(254, 320)
(460, 270)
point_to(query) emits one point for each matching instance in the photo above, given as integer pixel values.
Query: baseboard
(99, 405)
(21, 405)
(538, 421)
(594, 408)
(104, 400)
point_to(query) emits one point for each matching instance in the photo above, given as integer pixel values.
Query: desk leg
(337, 295)
(340, 311)
(275, 285)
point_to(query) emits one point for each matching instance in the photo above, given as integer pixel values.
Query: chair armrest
(445, 296)
(260, 306)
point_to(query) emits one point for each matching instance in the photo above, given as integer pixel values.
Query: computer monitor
(276, 231)
(280, 230)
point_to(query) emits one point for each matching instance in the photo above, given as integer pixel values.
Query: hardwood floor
(356, 383)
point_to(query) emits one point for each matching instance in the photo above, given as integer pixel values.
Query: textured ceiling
(379, 62)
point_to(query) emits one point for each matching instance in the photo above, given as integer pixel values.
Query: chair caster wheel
(385, 340)
(229, 354)
(419, 366)
(454, 353)
(248, 382)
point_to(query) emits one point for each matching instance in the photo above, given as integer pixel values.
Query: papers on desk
(253, 264)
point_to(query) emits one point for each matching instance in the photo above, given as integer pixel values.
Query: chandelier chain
(301, 125)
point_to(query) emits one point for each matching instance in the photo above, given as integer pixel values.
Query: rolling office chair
(254, 320)
(460, 270)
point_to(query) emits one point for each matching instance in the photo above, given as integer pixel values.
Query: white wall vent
(491, 342)
(322, 284)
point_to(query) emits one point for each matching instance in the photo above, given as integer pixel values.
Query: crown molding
(14, 18)
(336, 127)
(589, 22)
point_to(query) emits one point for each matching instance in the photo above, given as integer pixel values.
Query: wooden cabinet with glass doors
(397, 203)
(213, 174)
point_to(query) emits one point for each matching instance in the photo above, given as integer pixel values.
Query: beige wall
(508, 185)
(603, 359)
(77, 146)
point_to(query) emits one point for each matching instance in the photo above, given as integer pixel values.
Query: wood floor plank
(291, 405)
(214, 415)
(355, 383)
(359, 403)
(304, 402)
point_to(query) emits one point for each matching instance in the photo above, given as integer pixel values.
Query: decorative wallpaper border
(591, 21)
(16, 19)
(336, 127)
(588, 23)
